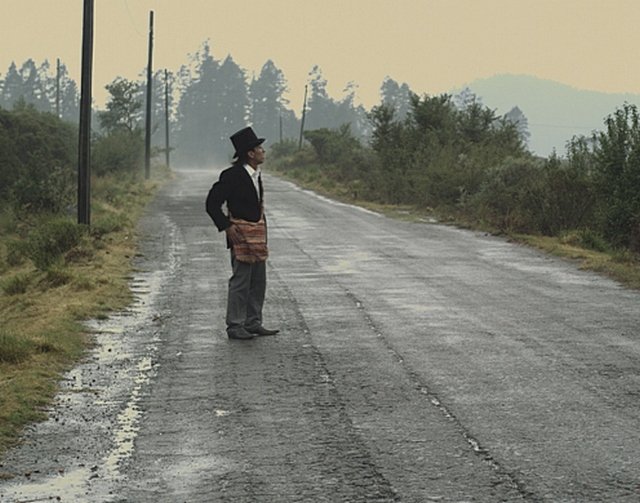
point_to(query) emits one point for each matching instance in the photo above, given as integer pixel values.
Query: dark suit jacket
(235, 188)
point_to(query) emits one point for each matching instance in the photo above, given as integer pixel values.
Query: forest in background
(445, 152)
(209, 98)
(456, 158)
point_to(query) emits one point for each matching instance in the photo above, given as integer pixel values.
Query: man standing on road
(240, 187)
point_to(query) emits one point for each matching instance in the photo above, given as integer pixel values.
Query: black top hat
(244, 140)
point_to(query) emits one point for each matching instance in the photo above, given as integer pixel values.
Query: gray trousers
(247, 287)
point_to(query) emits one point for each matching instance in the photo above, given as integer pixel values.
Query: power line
(133, 24)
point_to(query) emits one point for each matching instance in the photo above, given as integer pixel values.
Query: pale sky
(435, 46)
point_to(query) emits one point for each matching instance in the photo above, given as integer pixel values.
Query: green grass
(43, 302)
(621, 266)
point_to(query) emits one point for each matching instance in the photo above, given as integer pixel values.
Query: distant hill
(556, 112)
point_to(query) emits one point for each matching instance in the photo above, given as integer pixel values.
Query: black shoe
(261, 331)
(241, 334)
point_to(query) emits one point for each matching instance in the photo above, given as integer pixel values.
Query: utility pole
(304, 111)
(281, 126)
(58, 88)
(84, 143)
(166, 117)
(147, 137)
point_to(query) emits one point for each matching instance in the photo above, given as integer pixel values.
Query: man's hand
(234, 234)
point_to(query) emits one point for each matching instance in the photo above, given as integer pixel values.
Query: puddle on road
(127, 421)
(92, 426)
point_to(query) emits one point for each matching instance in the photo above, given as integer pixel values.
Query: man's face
(257, 155)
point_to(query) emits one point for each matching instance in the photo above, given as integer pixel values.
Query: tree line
(457, 157)
(47, 89)
(209, 98)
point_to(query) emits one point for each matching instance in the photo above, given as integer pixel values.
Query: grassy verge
(621, 266)
(46, 292)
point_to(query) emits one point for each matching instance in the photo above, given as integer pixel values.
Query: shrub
(283, 148)
(511, 197)
(14, 349)
(568, 196)
(121, 151)
(8, 221)
(586, 238)
(592, 240)
(617, 155)
(16, 252)
(37, 160)
(50, 240)
(57, 276)
(16, 285)
(107, 223)
(332, 146)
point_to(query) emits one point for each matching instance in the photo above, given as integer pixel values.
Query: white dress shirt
(254, 174)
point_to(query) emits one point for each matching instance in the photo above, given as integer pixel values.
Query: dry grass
(623, 267)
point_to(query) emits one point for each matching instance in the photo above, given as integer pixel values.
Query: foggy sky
(433, 45)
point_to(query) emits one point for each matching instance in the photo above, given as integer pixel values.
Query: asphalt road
(416, 362)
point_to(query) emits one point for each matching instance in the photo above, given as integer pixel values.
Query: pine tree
(321, 109)
(197, 84)
(233, 105)
(466, 98)
(516, 117)
(34, 85)
(158, 113)
(11, 88)
(268, 101)
(397, 97)
(355, 116)
(69, 96)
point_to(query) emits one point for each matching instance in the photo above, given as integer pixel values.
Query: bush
(14, 349)
(8, 221)
(50, 240)
(57, 276)
(120, 151)
(37, 160)
(110, 222)
(17, 348)
(16, 252)
(333, 146)
(16, 285)
(568, 196)
(283, 148)
(617, 162)
(586, 238)
(592, 240)
(511, 198)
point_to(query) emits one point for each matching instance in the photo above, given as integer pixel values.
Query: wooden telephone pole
(58, 88)
(304, 111)
(166, 119)
(84, 143)
(147, 136)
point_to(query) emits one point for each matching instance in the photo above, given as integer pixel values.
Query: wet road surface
(416, 363)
